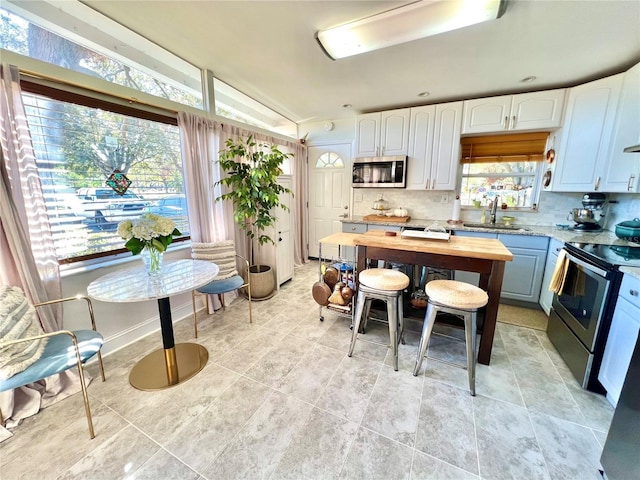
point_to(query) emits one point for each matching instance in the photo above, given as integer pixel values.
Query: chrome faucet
(494, 208)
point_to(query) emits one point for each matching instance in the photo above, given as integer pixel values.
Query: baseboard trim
(147, 327)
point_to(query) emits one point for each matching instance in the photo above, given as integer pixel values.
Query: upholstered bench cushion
(222, 286)
(18, 320)
(222, 254)
(451, 293)
(58, 356)
(383, 279)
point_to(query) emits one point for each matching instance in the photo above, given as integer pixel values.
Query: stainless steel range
(581, 313)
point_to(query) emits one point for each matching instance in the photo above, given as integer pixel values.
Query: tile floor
(281, 399)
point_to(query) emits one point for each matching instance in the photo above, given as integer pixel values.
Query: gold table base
(165, 368)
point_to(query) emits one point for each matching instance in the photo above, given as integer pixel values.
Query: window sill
(78, 268)
(510, 209)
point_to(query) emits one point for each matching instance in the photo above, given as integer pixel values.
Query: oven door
(582, 299)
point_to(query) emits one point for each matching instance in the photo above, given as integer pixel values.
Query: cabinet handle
(433, 184)
(632, 177)
(513, 122)
(633, 293)
(597, 185)
(353, 228)
(426, 184)
(505, 123)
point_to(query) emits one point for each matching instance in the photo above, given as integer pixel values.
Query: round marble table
(172, 364)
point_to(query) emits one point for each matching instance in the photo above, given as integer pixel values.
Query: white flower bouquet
(150, 231)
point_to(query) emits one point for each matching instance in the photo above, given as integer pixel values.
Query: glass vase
(152, 259)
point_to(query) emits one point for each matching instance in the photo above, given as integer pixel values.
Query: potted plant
(252, 171)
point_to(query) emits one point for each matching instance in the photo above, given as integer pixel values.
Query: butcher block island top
(472, 247)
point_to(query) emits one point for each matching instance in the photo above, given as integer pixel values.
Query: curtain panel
(27, 254)
(211, 221)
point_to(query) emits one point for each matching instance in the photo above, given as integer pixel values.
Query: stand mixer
(591, 217)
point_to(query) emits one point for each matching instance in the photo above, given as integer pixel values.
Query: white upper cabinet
(434, 147)
(382, 133)
(623, 169)
(526, 111)
(586, 134)
(446, 146)
(420, 147)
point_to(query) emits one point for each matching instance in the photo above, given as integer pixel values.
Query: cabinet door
(538, 110)
(623, 334)
(471, 277)
(367, 135)
(523, 276)
(420, 147)
(394, 132)
(484, 115)
(586, 134)
(349, 253)
(446, 146)
(623, 169)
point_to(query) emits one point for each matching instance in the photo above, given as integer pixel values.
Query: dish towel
(559, 273)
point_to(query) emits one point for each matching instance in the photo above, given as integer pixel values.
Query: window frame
(535, 193)
(33, 86)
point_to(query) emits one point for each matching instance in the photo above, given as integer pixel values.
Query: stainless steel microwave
(380, 172)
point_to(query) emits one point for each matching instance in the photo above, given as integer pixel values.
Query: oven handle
(588, 266)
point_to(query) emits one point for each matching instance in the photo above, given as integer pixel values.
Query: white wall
(552, 208)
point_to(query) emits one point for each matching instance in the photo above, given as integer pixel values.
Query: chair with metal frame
(224, 255)
(64, 350)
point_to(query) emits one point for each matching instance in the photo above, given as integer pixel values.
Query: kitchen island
(481, 255)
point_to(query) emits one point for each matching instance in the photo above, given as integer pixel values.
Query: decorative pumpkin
(400, 212)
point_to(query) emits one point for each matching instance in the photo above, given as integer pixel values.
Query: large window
(512, 179)
(170, 78)
(77, 147)
(508, 166)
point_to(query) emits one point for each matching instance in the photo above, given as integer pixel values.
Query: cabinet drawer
(630, 290)
(476, 234)
(524, 241)
(354, 227)
(388, 228)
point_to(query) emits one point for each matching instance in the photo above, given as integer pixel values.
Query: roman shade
(518, 147)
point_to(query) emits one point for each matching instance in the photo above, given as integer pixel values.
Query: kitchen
(553, 205)
(553, 216)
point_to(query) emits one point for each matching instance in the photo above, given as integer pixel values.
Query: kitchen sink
(496, 226)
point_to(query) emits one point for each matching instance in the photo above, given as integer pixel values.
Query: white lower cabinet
(546, 296)
(523, 276)
(349, 253)
(623, 334)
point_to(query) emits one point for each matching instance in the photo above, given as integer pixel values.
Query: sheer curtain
(210, 221)
(27, 254)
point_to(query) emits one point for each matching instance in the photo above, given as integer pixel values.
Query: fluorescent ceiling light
(404, 24)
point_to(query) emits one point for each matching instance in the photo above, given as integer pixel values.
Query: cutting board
(384, 218)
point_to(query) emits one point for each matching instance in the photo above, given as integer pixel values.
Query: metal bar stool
(457, 298)
(387, 285)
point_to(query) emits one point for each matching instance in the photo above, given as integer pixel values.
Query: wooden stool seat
(456, 294)
(384, 279)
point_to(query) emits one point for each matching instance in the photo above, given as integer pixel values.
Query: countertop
(602, 237)
(633, 271)
(482, 248)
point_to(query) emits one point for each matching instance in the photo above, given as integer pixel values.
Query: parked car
(173, 206)
(102, 205)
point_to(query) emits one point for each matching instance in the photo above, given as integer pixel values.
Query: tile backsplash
(553, 207)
